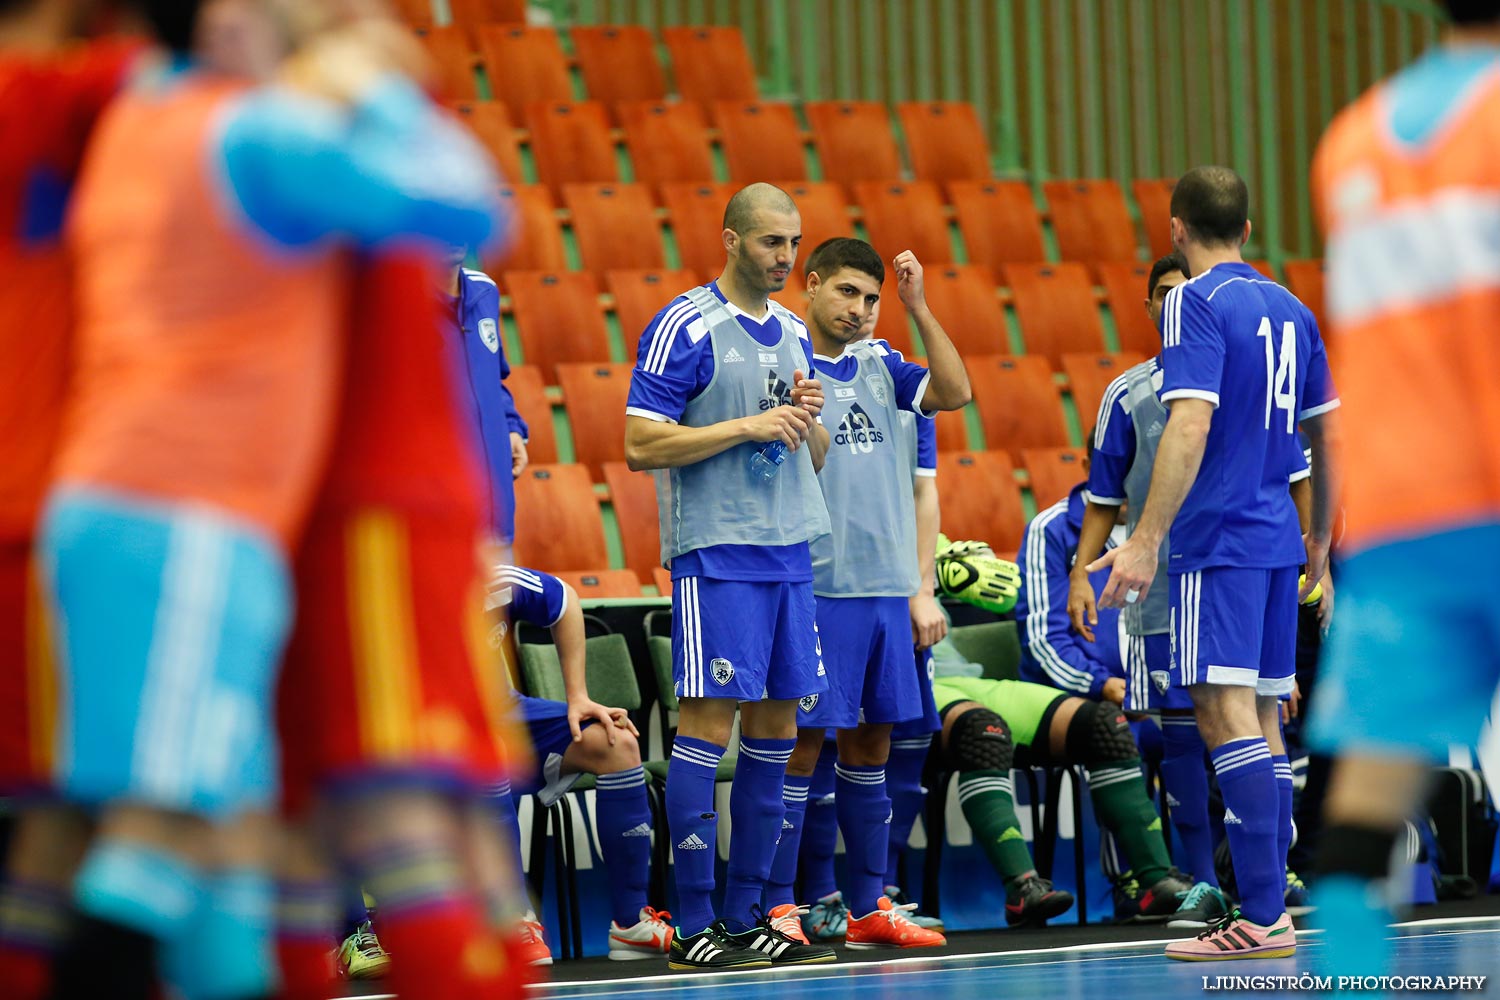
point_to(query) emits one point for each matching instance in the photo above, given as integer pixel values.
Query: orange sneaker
(530, 946)
(787, 918)
(888, 926)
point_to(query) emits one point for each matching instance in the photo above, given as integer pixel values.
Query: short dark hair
(1171, 262)
(172, 21)
(748, 201)
(1214, 204)
(833, 255)
(1473, 11)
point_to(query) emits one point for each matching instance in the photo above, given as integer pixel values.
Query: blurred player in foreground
(1408, 192)
(53, 86)
(200, 423)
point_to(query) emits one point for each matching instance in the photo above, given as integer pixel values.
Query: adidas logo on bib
(692, 843)
(732, 356)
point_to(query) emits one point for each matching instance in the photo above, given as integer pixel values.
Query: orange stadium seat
(854, 141)
(633, 495)
(1305, 279)
(1125, 292)
(894, 323)
(1019, 404)
(944, 140)
(962, 297)
(662, 577)
(711, 64)
(1089, 375)
(477, 12)
(491, 125)
(668, 143)
(571, 144)
(901, 216)
(952, 431)
(640, 295)
(760, 140)
(1056, 308)
(980, 498)
(529, 389)
(1054, 472)
(535, 242)
(454, 58)
(1264, 267)
(602, 583)
(618, 62)
(558, 317)
(415, 13)
(558, 523)
(696, 212)
(615, 226)
(1153, 196)
(1090, 220)
(594, 396)
(824, 211)
(524, 66)
(999, 222)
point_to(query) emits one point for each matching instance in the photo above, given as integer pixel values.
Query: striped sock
(988, 802)
(623, 819)
(794, 792)
(1283, 768)
(1118, 791)
(1252, 812)
(34, 918)
(864, 810)
(694, 828)
(755, 811)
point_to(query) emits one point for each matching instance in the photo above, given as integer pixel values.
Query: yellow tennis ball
(1315, 595)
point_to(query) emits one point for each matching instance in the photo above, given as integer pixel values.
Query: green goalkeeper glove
(981, 580)
(962, 550)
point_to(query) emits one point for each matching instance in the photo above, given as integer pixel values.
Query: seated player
(578, 737)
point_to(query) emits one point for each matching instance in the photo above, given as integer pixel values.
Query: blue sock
(228, 950)
(624, 823)
(756, 811)
(694, 828)
(138, 887)
(784, 868)
(355, 911)
(903, 783)
(1283, 768)
(864, 810)
(1185, 777)
(1252, 815)
(820, 830)
(503, 807)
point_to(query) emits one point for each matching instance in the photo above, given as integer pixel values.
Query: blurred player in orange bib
(1408, 188)
(52, 89)
(212, 288)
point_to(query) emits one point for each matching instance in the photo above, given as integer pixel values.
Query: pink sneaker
(1236, 937)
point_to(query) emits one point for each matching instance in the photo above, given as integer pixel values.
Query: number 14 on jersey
(1281, 372)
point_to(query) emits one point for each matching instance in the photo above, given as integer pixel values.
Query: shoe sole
(753, 963)
(634, 955)
(1187, 925)
(1299, 911)
(832, 956)
(541, 961)
(877, 946)
(1038, 916)
(1279, 951)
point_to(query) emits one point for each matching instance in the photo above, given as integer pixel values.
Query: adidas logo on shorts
(1230, 817)
(640, 830)
(692, 843)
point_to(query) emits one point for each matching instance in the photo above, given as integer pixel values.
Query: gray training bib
(1153, 616)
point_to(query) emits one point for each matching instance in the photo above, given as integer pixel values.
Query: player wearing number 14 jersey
(1243, 363)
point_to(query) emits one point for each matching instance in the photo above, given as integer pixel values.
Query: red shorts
(390, 675)
(28, 676)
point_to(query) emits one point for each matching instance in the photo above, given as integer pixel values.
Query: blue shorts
(1236, 627)
(172, 623)
(867, 648)
(547, 722)
(929, 721)
(1413, 658)
(1150, 682)
(745, 641)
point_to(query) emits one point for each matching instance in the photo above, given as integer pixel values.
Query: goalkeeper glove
(981, 580)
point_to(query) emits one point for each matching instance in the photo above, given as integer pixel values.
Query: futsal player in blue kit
(865, 571)
(723, 390)
(1242, 363)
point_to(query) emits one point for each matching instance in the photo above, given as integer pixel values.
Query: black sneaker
(1202, 907)
(1034, 901)
(713, 948)
(1125, 892)
(779, 947)
(1165, 896)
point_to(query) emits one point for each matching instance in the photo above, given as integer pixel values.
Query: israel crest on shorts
(721, 670)
(1161, 680)
(808, 702)
(878, 388)
(490, 334)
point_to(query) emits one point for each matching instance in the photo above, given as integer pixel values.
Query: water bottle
(766, 461)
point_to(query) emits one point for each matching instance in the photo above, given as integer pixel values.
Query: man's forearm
(948, 381)
(1301, 492)
(817, 446)
(569, 638)
(1178, 458)
(1098, 522)
(1324, 433)
(929, 518)
(656, 444)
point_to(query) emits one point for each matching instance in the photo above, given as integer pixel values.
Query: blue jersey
(478, 356)
(1051, 652)
(674, 364)
(1246, 345)
(910, 379)
(535, 597)
(927, 448)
